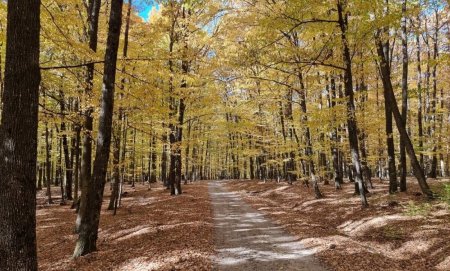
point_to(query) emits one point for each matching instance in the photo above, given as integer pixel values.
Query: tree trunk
(404, 96)
(65, 144)
(77, 164)
(419, 96)
(434, 162)
(86, 158)
(351, 116)
(48, 169)
(337, 171)
(88, 234)
(18, 137)
(390, 97)
(309, 150)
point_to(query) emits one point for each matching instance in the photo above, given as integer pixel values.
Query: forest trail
(246, 240)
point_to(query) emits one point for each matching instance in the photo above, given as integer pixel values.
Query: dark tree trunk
(40, 176)
(419, 95)
(18, 138)
(117, 128)
(133, 160)
(433, 169)
(86, 158)
(309, 150)
(77, 164)
(65, 145)
(337, 171)
(392, 170)
(153, 160)
(403, 171)
(48, 168)
(390, 97)
(351, 116)
(88, 231)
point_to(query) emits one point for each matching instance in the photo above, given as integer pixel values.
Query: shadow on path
(246, 240)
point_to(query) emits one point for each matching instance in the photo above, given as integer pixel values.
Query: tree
(88, 230)
(18, 137)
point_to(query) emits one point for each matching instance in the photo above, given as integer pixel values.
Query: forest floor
(396, 232)
(151, 231)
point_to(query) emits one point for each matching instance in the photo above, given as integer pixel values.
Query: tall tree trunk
(117, 126)
(392, 169)
(77, 164)
(88, 234)
(433, 169)
(337, 171)
(419, 95)
(65, 144)
(390, 97)
(351, 115)
(48, 169)
(153, 160)
(86, 158)
(18, 137)
(309, 150)
(133, 159)
(404, 96)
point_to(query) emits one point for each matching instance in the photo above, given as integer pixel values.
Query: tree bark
(86, 158)
(18, 137)
(88, 234)
(419, 95)
(390, 97)
(404, 96)
(65, 145)
(351, 116)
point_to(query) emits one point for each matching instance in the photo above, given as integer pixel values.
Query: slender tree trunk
(88, 234)
(337, 172)
(434, 162)
(18, 138)
(351, 115)
(65, 144)
(86, 159)
(309, 150)
(419, 96)
(153, 159)
(404, 96)
(48, 164)
(77, 164)
(117, 126)
(133, 160)
(392, 170)
(40, 176)
(387, 84)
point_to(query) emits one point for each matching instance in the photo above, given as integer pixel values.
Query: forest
(224, 135)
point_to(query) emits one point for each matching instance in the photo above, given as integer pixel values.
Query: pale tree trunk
(18, 138)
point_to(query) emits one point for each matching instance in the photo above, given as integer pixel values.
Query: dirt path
(246, 240)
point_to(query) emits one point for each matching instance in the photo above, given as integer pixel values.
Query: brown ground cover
(151, 231)
(397, 232)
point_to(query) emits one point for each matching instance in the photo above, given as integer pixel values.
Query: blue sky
(145, 8)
